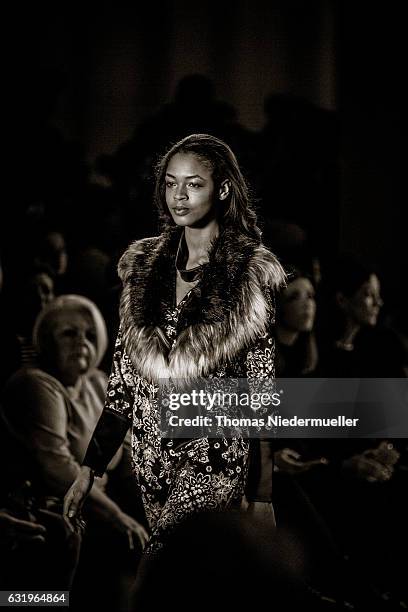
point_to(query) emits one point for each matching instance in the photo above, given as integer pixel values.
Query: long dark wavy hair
(217, 156)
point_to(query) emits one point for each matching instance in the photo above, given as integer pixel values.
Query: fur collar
(226, 313)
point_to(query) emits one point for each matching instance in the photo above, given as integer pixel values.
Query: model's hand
(262, 512)
(288, 460)
(131, 528)
(78, 492)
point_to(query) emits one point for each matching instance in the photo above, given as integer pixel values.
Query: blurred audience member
(296, 347)
(354, 345)
(24, 298)
(52, 251)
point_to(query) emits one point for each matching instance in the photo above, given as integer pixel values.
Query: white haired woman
(50, 412)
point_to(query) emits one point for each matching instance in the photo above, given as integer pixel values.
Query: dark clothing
(377, 353)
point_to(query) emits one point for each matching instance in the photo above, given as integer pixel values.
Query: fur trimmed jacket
(227, 312)
(222, 328)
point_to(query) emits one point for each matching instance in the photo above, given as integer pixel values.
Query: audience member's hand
(374, 464)
(385, 453)
(128, 525)
(288, 460)
(15, 531)
(367, 469)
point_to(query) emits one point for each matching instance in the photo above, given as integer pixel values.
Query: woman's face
(298, 306)
(41, 289)
(190, 190)
(364, 306)
(57, 252)
(74, 344)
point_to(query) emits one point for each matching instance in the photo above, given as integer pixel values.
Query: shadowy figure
(26, 293)
(222, 561)
(353, 343)
(193, 109)
(298, 165)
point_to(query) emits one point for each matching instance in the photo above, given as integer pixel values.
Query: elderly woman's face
(190, 190)
(74, 344)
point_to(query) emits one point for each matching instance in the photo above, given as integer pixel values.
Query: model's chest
(183, 287)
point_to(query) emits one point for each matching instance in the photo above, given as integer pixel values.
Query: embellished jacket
(225, 328)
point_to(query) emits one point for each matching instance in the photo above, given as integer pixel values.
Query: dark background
(88, 75)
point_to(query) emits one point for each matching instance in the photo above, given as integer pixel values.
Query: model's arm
(260, 370)
(260, 373)
(115, 419)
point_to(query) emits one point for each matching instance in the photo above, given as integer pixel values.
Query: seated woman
(296, 355)
(49, 413)
(353, 344)
(296, 350)
(364, 486)
(324, 487)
